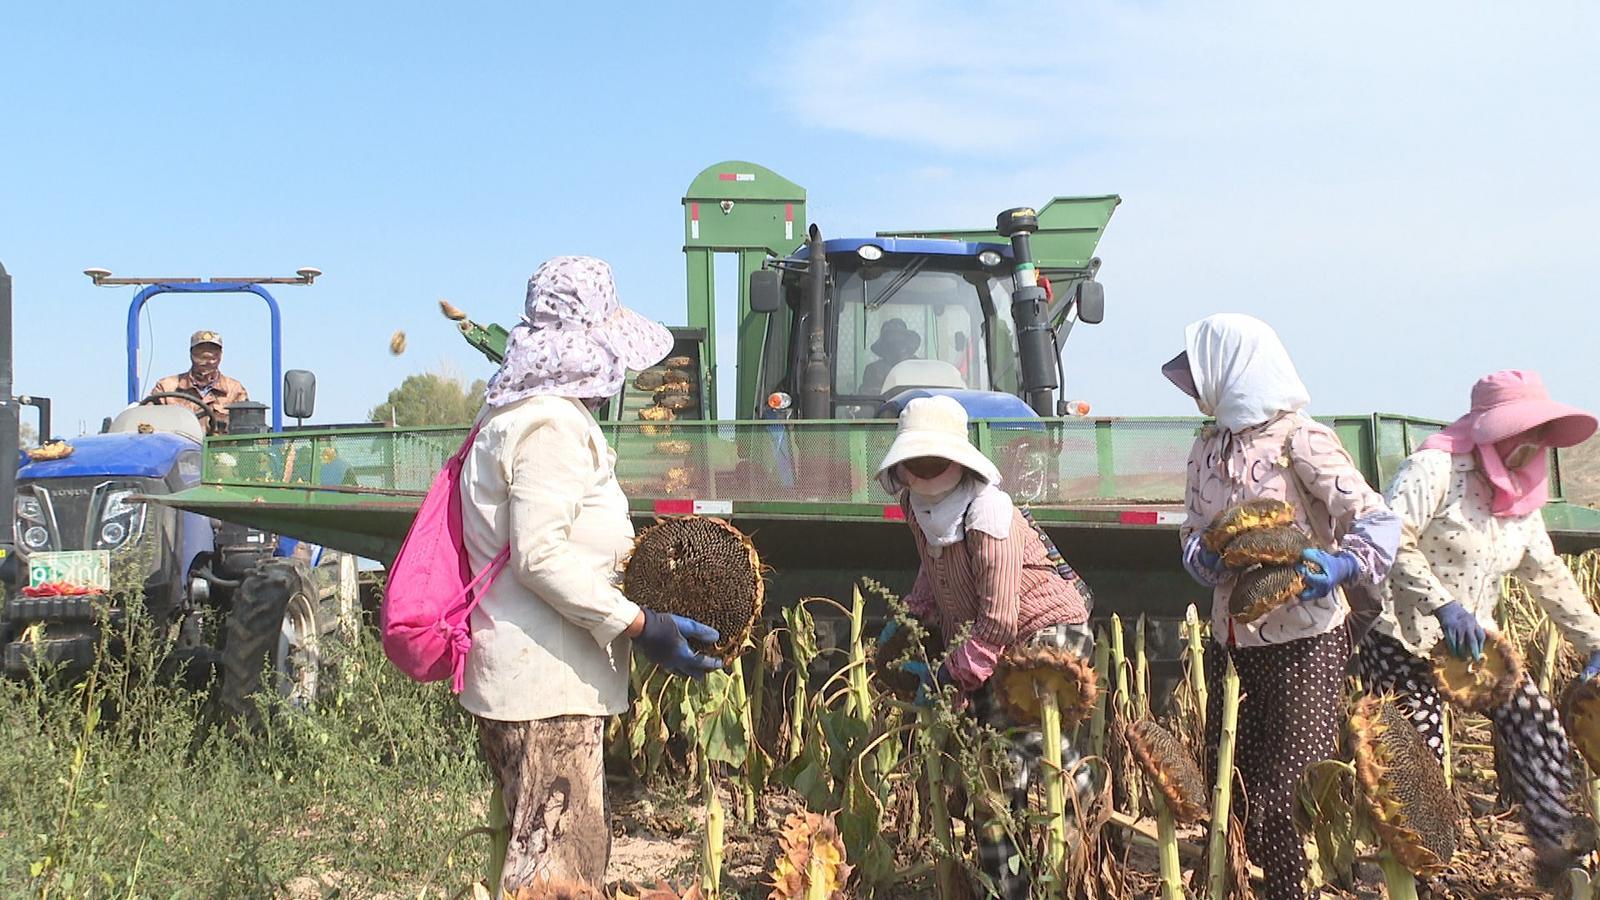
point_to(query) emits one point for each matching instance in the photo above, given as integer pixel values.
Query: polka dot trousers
(1290, 710)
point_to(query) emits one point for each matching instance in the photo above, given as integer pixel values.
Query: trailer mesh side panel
(1054, 462)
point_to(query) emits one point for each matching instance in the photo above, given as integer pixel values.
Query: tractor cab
(901, 315)
(856, 327)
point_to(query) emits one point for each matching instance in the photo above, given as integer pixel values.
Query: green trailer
(1108, 489)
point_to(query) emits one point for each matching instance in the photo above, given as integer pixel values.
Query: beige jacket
(546, 639)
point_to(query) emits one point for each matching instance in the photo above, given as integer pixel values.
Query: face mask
(1522, 455)
(942, 483)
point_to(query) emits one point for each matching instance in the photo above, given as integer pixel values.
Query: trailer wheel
(272, 642)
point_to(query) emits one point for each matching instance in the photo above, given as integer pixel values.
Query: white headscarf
(1242, 371)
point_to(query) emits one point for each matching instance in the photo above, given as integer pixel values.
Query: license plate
(78, 568)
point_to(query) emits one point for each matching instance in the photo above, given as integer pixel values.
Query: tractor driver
(205, 380)
(895, 344)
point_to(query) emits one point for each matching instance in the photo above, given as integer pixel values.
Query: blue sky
(1405, 190)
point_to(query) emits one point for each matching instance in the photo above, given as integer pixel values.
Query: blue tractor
(257, 611)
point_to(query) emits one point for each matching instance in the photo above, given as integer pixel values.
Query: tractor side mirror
(1091, 302)
(299, 393)
(766, 290)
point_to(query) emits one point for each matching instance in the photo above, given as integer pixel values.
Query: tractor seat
(164, 419)
(928, 373)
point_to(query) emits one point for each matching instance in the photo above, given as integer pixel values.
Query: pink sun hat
(1510, 402)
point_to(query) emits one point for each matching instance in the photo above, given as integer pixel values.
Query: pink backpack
(431, 592)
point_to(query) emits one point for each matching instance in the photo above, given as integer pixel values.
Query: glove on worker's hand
(889, 629)
(930, 683)
(1592, 670)
(1324, 571)
(664, 641)
(1211, 562)
(1463, 634)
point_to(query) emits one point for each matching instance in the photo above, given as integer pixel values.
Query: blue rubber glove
(1324, 571)
(664, 642)
(1592, 670)
(1211, 562)
(932, 683)
(1462, 632)
(889, 628)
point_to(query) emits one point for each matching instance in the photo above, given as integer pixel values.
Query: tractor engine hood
(978, 404)
(112, 455)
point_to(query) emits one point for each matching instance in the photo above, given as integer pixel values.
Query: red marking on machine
(788, 221)
(894, 513)
(694, 221)
(693, 507)
(736, 176)
(1149, 517)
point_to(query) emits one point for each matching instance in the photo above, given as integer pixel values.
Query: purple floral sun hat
(575, 338)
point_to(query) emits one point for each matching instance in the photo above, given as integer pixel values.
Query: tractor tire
(272, 642)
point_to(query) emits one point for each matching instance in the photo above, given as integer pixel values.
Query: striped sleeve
(997, 584)
(920, 600)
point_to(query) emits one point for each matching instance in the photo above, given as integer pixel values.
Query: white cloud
(1408, 187)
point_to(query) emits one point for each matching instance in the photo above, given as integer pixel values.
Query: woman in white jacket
(550, 646)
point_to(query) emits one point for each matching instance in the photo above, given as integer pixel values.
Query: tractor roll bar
(208, 287)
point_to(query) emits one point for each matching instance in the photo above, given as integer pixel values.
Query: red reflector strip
(788, 212)
(736, 176)
(693, 507)
(694, 211)
(894, 513)
(1149, 517)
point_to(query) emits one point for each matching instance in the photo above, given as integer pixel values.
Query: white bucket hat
(575, 338)
(934, 426)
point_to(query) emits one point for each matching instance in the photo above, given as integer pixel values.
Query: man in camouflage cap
(206, 381)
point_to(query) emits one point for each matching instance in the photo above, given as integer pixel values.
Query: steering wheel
(211, 417)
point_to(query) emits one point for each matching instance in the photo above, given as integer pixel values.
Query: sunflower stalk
(946, 875)
(748, 787)
(1055, 790)
(1552, 655)
(1123, 702)
(1222, 794)
(1397, 879)
(1141, 672)
(860, 700)
(1167, 849)
(711, 853)
(1097, 720)
(1197, 664)
(1449, 754)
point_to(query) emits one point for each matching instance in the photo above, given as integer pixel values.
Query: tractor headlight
(32, 522)
(990, 258)
(870, 252)
(120, 520)
(36, 537)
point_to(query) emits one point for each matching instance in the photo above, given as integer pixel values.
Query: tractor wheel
(273, 642)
